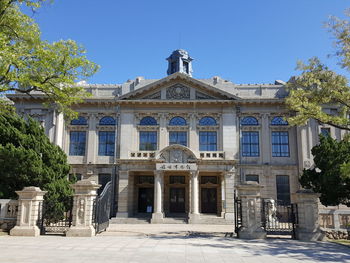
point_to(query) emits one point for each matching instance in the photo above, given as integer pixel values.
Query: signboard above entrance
(176, 166)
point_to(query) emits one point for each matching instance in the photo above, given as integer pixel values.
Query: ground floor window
(283, 189)
(252, 178)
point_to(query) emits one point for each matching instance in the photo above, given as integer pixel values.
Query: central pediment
(178, 86)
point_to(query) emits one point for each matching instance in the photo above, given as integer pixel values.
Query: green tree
(331, 176)
(318, 85)
(29, 63)
(28, 158)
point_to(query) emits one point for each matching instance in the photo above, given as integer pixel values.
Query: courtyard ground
(169, 248)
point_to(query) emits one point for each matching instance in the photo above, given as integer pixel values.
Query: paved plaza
(165, 248)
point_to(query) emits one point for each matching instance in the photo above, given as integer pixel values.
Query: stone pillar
(91, 140)
(29, 201)
(84, 196)
(229, 183)
(308, 225)
(251, 228)
(158, 216)
(123, 194)
(194, 215)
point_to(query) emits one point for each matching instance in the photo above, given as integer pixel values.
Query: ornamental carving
(177, 154)
(178, 92)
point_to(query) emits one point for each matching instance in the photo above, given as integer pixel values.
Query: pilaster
(123, 194)
(91, 140)
(229, 184)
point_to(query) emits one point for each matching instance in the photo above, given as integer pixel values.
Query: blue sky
(244, 41)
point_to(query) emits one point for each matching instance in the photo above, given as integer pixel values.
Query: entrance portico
(180, 185)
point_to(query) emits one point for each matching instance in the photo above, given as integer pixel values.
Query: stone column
(251, 228)
(29, 202)
(229, 183)
(84, 196)
(123, 194)
(308, 225)
(158, 216)
(194, 215)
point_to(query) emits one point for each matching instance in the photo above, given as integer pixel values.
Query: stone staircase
(204, 219)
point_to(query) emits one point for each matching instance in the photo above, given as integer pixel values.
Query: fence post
(29, 202)
(308, 225)
(251, 228)
(84, 195)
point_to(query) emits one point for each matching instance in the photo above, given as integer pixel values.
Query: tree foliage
(318, 85)
(29, 63)
(27, 158)
(331, 174)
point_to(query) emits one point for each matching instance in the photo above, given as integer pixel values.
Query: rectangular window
(178, 137)
(252, 178)
(103, 179)
(250, 144)
(106, 143)
(283, 189)
(148, 140)
(207, 141)
(280, 144)
(325, 131)
(77, 143)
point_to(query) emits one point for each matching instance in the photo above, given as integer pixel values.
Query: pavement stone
(120, 248)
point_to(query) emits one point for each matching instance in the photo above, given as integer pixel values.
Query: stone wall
(8, 214)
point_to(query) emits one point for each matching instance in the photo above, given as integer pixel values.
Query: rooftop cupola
(180, 61)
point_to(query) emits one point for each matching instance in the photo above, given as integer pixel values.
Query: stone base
(194, 219)
(122, 215)
(157, 218)
(245, 233)
(229, 216)
(25, 231)
(75, 231)
(310, 236)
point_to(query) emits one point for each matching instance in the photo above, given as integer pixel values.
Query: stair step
(129, 220)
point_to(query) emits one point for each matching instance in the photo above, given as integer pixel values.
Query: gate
(279, 218)
(51, 221)
(102, 210)
(238, 212)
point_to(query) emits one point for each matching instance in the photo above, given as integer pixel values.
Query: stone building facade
(178, 146)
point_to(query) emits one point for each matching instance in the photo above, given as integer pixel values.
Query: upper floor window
(80, 121)
(207, 141)
(250, 144)
(177, 121)
(106, 143)
(77, 143)
(148, 140)
(207, 121)
(178, 137)
(249, 121)
(278, 121)
(325, 131)
(107, 121)
(280, 144)
(148, 121)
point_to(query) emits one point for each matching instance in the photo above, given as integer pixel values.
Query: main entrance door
(146, 200)
(209, 200)
(177, 200)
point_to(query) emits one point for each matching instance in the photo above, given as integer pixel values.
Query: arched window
(80, 121)
(148, 121)
(207, 121)
(177, 121)
(279, 121)
(249, 121)
(107, 121)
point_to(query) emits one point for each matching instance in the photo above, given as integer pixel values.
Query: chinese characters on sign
(176, 166)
